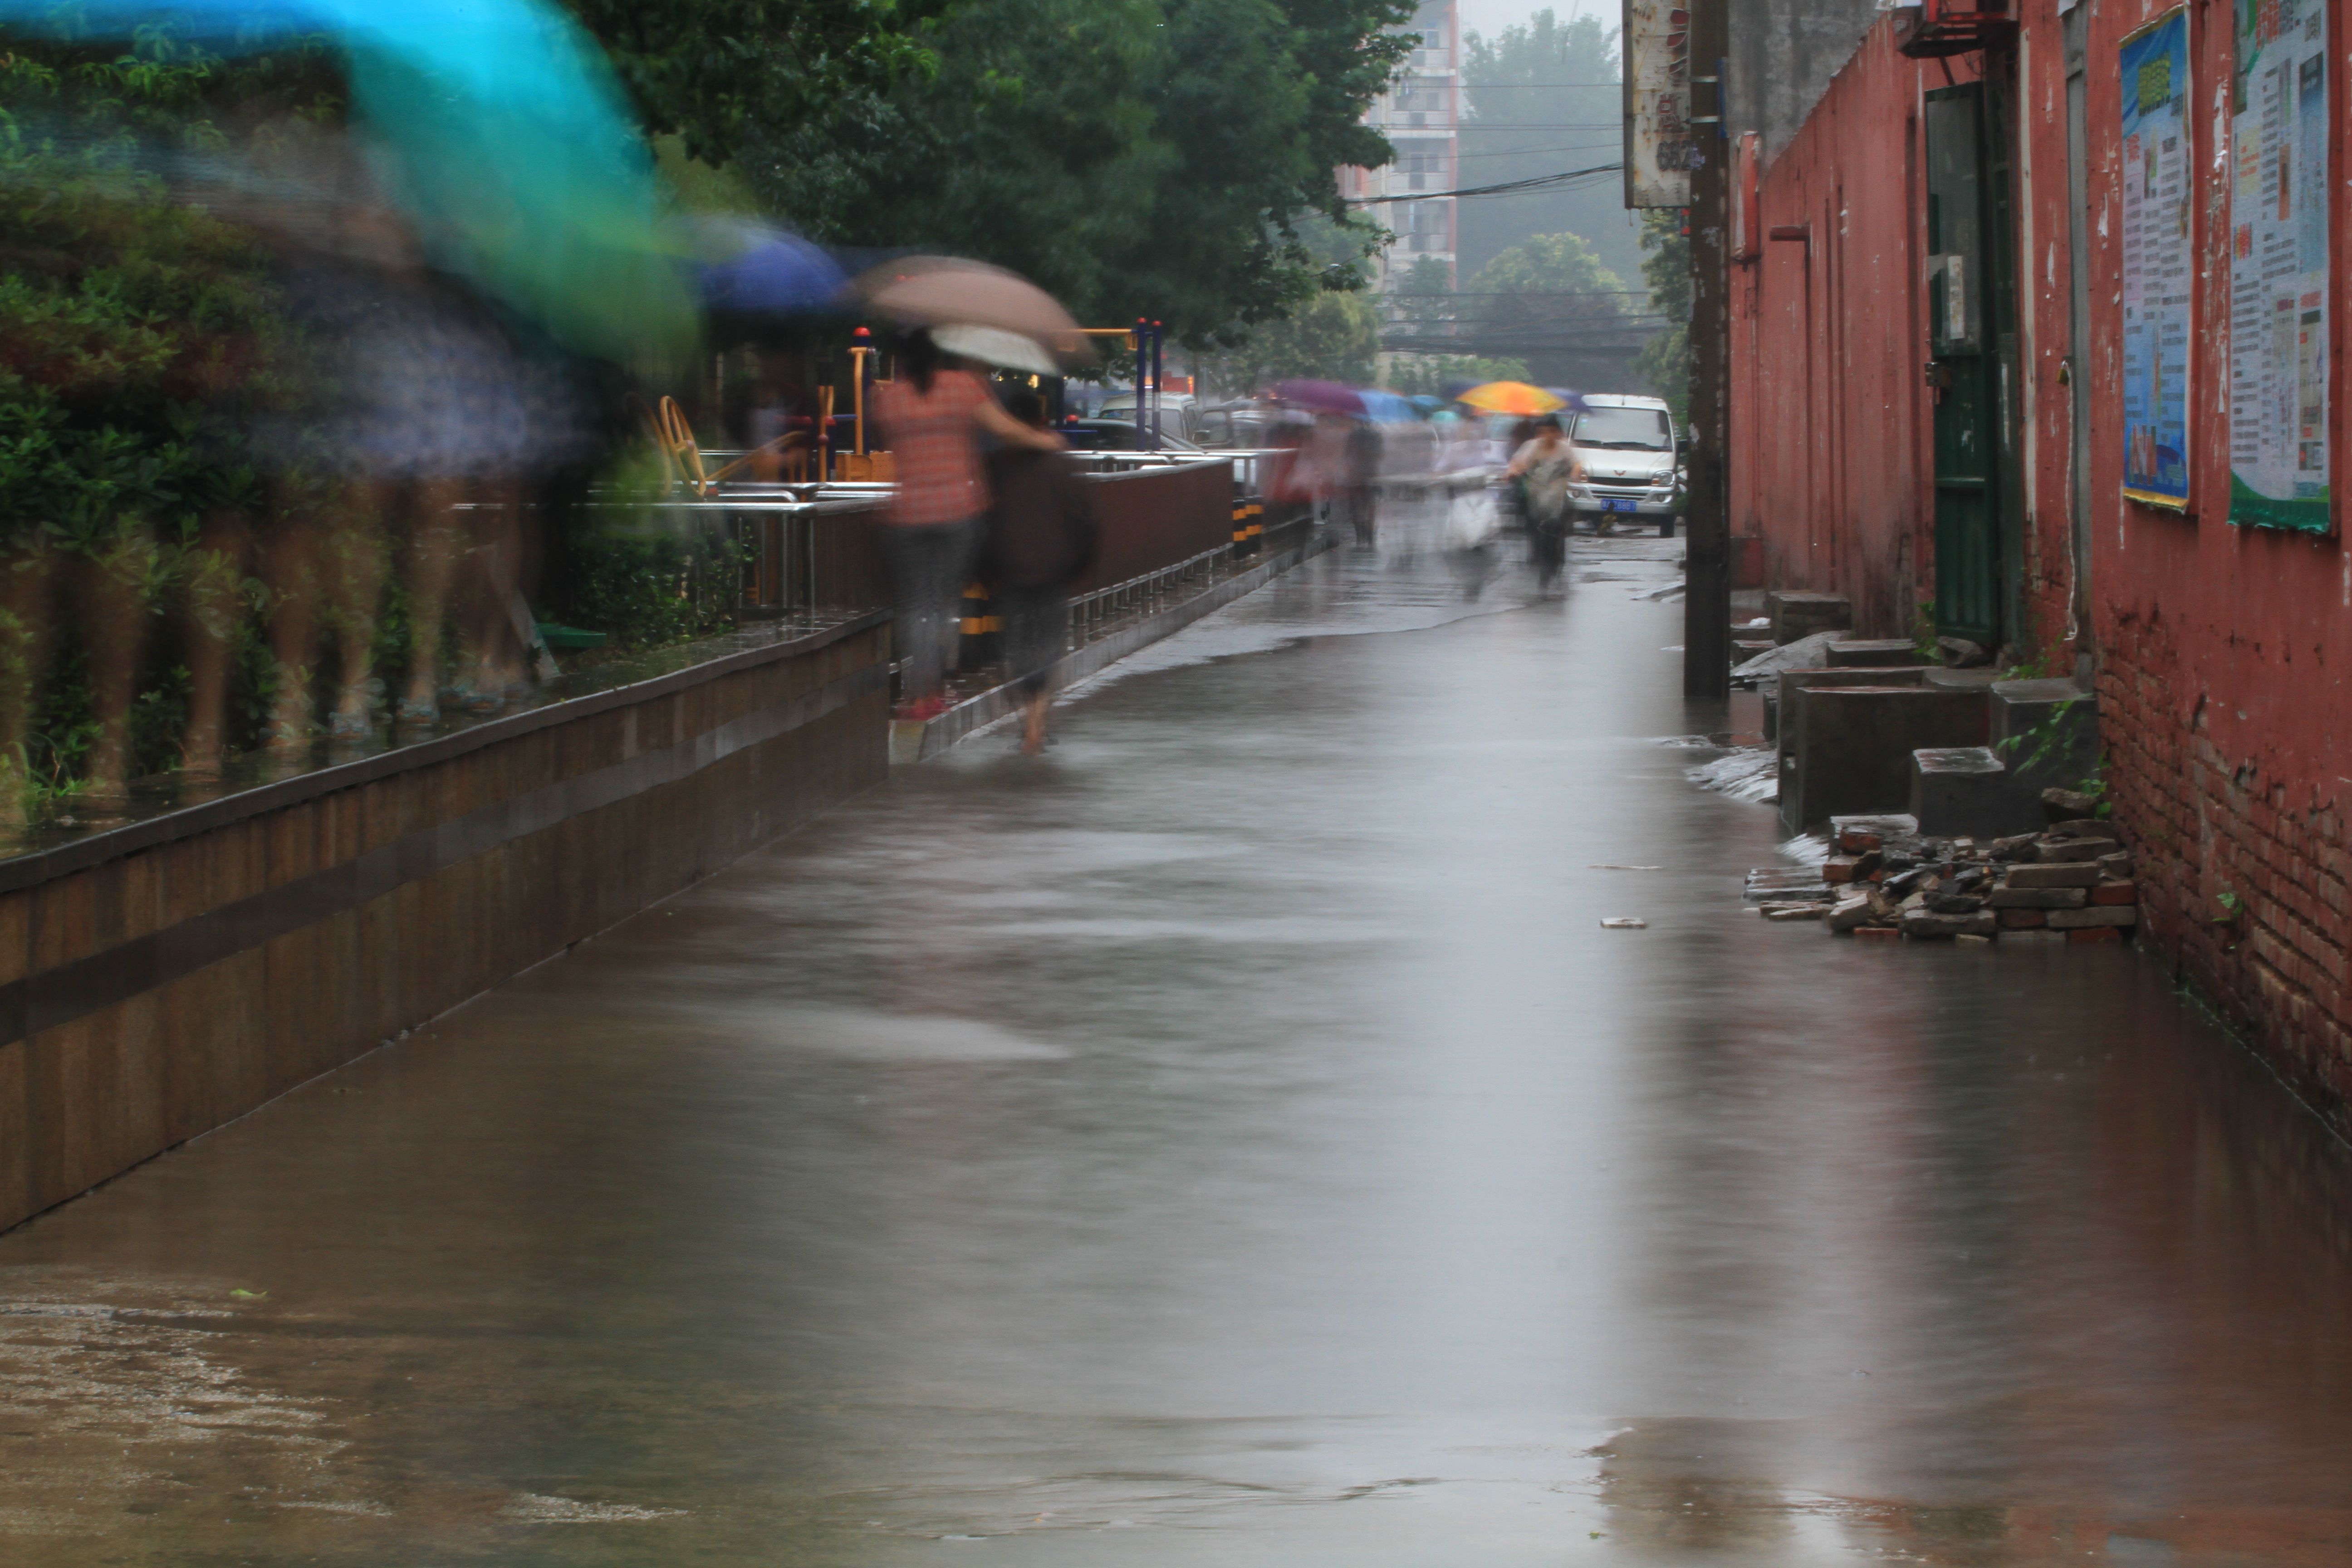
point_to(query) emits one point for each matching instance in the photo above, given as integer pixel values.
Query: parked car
(1117, 436)
(1179, 412)
(1632, 459)
(1243, 426)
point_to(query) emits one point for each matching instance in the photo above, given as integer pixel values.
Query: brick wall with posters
(2217, 649)
(2221, 648)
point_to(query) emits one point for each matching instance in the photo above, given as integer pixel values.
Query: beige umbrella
(994, 345)
(939, 291)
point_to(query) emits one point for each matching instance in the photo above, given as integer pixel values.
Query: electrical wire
(1508, 188)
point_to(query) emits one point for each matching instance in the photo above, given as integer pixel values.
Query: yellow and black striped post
(979, 647)
(1249, 527)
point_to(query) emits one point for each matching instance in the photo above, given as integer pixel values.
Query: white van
(1179, 411)
(1631, 465)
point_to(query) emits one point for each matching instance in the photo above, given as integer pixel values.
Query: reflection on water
(1233, 1139)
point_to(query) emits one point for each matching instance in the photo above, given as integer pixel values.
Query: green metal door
(1963, 369)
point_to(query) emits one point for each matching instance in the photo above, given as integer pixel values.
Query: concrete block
(1966, 792)
(1846, 750)
(1917, 923)
(2038, 898)
(2096, 915)
(2046, 731)
(2082, 849)
(2055, 874)
(1799, 613)
(1780, 709)
(1871, 655)
(1849, 913)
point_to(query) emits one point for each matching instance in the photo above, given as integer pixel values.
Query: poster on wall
(2278, 265)
(1658, 141)
(2157, 273)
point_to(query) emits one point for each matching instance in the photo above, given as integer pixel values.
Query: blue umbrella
(758, 271)
(499, 129)
(1387, 408)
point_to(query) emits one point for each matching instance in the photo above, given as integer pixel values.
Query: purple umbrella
(756, 269)
(1322, 396)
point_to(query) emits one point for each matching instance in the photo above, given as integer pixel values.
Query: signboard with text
(2278, 266)
(1659, 137)
(2157, 274)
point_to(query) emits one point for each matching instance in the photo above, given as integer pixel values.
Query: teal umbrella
(499, 129)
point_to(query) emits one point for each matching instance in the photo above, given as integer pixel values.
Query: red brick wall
(2217, 649)
(1830, 438)
(2216, 812)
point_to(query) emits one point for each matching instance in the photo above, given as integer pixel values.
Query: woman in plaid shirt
(932, 415)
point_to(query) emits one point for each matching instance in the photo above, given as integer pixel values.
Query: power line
(1539, 181)
(1531, 152)
(1516, 293)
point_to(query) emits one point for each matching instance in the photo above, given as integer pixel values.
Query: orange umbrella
(1511, 397)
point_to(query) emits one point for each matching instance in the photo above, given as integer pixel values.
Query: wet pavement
(1233, 1139)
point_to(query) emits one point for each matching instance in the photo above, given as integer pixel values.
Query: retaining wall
(164, 978)
(1156, 517)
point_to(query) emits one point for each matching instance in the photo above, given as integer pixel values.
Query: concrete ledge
(914, 743)
(160, 980)
(1798, 613)
(1784, 701)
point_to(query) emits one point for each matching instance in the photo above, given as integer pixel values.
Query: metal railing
(1088, 612)
(806, 551)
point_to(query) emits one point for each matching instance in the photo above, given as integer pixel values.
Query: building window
(1422, 171)
(1423, 225)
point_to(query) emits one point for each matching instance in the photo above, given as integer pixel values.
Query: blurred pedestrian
(932, 415)
(1545, 467)
(1362, 480)
(1041, 539)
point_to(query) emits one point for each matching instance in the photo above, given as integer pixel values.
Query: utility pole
(1706, 597)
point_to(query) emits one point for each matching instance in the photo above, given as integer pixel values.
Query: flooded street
(1233, 1139)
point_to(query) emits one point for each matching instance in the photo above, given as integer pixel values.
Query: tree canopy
(1543, 99)
(1331, 336)
(1545, 300)
(1665, 361)
(709, 71)
(1154, 158)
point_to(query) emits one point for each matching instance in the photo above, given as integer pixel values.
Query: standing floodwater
(1233, 1139)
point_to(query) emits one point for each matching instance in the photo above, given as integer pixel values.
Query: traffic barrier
(981, 630)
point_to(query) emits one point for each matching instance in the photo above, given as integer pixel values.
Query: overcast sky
(1491, 17)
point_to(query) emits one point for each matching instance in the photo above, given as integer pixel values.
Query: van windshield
(1623, 429)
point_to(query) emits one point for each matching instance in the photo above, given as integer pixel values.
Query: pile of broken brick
(2072, 882)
